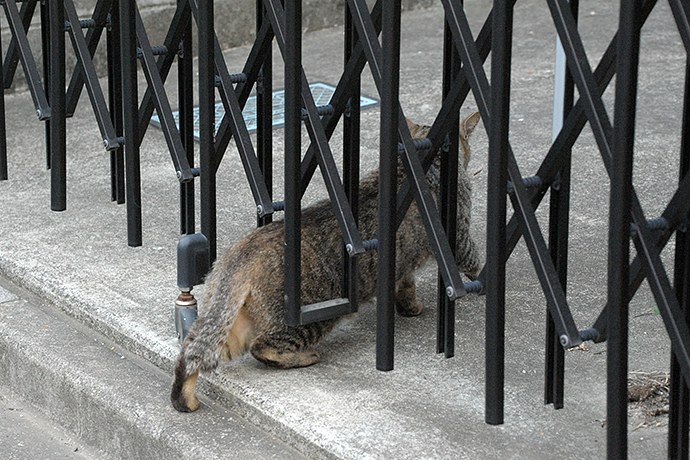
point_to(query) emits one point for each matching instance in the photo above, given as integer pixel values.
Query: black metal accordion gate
(372, 37)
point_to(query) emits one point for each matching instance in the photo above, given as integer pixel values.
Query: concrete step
(108, 398)
(25, 433)
(429, 406)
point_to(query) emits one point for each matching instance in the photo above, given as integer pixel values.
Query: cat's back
(255, 254)
(260, 253)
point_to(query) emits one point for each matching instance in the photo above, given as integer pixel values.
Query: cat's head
(467, 126)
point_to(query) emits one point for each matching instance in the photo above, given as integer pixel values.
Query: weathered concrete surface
(234, 22)
(110, 398)
(26, 434)
(428, 407)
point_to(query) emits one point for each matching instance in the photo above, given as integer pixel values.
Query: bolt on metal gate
(124, 118)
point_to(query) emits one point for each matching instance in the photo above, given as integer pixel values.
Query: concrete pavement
(77, 264)
(109, 398)
(28, 434)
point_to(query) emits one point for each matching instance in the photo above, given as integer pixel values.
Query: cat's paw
(472, 276)
(182, 395)
(185, 404)
(409, 308)
(281, 359)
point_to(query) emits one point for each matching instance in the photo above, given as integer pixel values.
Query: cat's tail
(224, 332)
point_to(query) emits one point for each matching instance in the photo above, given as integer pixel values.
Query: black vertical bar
(559, 212)
(207, 123)
(619, 230)
(502, 25)
(130, 97)
(3, 131)
(45, 49)
(58, 146)
(185, 85)
(445, 335)
(558, 245)
(114, 55)
(351, 158)
(679, 395)
(12, 58)
(388, 161)
(264, 113)
(293, 157)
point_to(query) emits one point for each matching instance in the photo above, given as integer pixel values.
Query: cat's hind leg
(205, 346)
(406, 302)
(183, 395)
(292, 346)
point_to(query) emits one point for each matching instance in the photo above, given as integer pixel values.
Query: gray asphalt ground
(74, 282)
(28, 434)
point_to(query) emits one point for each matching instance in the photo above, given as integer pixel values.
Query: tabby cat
(244, 290)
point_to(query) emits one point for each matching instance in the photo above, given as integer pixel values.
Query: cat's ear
(412, 126)
(468, 124)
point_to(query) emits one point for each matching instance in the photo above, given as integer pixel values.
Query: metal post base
(185, 314)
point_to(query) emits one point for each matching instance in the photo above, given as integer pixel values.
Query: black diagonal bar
(572, 127)
(314, 126)
(252, 169)
(668, 303)
(162, 104)
(601, 127)
(26, 57)
(566, 330)
(88, 71)
(251, 70)
(164, 63)
(344, 91)
(93, 36)
(459, 90)
(546, 272)
(423, 196)
(582, 74)
(26, 14)
(669, 306)
(211, 161)
(680, 13)
(676, 215)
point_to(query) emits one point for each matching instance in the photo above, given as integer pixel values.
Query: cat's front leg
(406, 302)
